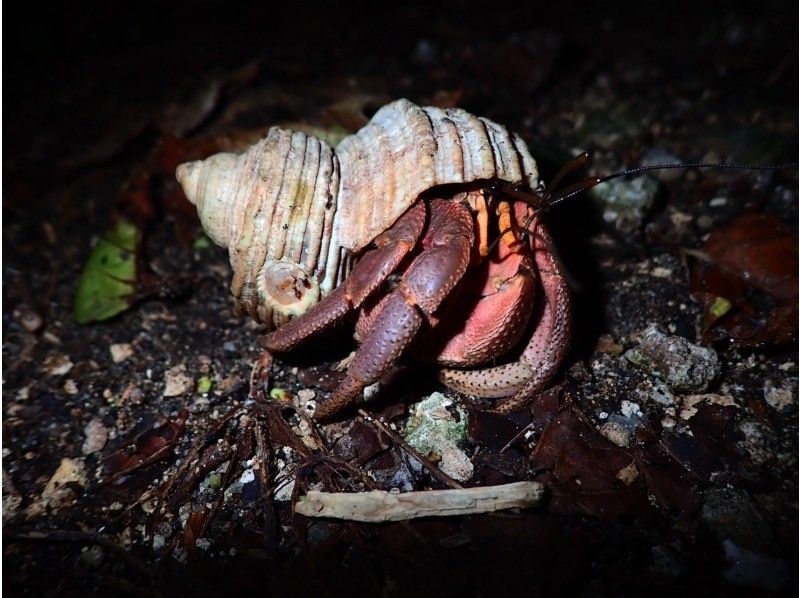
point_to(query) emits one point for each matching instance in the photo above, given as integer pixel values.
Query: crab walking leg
(544, 352)
(428, 280)
(368, 274)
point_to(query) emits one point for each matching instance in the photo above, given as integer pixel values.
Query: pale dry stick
(434, 471)
(379, 506)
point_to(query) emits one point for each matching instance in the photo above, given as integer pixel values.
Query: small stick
(377, 505)
(396, 438)
(517, 436)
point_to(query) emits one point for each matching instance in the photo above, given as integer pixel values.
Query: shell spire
(293, 213)
(273, 208)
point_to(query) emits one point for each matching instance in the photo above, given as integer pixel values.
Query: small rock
(628, 474)
(304, 396)
(630, 409)
(435, 424)
(57, 364)
(28, 319)
(159, 541)
(96, 436)
(456, 464)
(70, 387)
(661, 272)
(626, 202)
(752, 569)
(120, 352)
(682, 365)
(176, 382)
(57, 494)
(780, 395)
(202, 543)
(718, 202)
(616, 433)
(757, 441)
(658, 392)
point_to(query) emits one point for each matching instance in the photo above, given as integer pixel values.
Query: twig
(378, 506)
(517, 436)
(397, 439)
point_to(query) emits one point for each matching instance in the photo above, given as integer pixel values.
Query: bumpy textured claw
(377, 264)
(428, 280)
(522, 380)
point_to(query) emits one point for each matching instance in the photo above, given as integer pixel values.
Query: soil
(114, 484)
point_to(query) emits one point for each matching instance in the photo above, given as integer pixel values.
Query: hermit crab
(426, 222)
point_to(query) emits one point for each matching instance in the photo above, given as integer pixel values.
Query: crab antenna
(726, 165)
(568, 168)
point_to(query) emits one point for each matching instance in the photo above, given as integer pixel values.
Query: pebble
(120, 352)
(432, 427)
(28, 319)
(684, 366)
(96, 436)
(780, 395)
(628, 474)
(756, 441)
(176, 382)
(57, 364)
(626, 202)
(616, 433)
(630, 409)
(456, 464)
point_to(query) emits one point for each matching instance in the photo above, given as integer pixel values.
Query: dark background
(88, 93)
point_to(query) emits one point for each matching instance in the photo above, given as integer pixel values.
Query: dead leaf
(147, 446)
(745, 279)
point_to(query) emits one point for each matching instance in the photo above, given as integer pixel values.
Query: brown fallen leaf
(149, 444)
(745, 279)
(582, 470)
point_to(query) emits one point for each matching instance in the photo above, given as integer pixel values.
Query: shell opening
(286, 288)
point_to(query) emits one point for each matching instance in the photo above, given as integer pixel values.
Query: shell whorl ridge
(292, 211)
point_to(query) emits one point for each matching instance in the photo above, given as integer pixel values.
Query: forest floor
(134, 462)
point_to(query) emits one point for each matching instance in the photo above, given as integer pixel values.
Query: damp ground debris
(136, 463)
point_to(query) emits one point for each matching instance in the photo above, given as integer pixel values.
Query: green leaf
(720, 307)
(280, 394)
(201, 242)
(108, 280)
(204, 384)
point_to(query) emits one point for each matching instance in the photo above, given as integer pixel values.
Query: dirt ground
(134, 462)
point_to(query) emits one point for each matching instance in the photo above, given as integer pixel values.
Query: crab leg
(547, 347)
(428, 280)
(368, 274)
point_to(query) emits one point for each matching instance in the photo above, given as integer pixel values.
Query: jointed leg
(547, 347)
(428, 280)
(370, 271)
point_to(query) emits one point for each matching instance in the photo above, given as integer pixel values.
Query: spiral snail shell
(293, 212)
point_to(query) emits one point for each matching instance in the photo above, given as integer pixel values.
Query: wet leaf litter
(643, 470)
